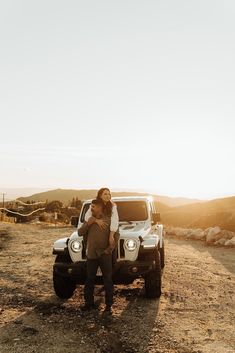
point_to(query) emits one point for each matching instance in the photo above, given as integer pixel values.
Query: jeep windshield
(128, 211)
(132, 211)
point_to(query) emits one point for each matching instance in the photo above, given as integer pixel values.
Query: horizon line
(45, 189)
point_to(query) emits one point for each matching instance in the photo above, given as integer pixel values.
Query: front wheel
(153, 281)
(64, 287)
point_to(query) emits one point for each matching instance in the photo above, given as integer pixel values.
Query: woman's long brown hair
(108, 207)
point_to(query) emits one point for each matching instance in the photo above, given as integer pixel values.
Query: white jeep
(139, 253)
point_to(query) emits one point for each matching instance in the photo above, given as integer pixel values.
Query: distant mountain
(219, 212)
(66, 195)
(175, 211)
(176, 201)
(13, 193)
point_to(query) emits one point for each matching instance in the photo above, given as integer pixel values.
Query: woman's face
(106, 196)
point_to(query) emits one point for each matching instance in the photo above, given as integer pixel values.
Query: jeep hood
(134, 229)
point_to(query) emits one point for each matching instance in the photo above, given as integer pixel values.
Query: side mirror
(74, 221)
(156, 217)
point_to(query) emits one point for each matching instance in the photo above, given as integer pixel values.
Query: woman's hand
(91, 220)
(108, 251)
(111, 240)
(102, 224)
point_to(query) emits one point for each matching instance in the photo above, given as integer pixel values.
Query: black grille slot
(141, 257)
(83, 249)
(122, 251)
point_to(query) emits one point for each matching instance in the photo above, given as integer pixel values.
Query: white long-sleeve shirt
(114, 218)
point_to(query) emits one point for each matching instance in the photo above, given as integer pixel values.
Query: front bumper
(123, 272)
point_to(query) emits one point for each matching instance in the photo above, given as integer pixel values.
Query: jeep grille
(121, 251)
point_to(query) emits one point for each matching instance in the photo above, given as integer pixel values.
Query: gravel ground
(195, 313)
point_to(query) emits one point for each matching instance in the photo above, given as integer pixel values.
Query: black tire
(64, 287)
(153, 280)
(162, 256)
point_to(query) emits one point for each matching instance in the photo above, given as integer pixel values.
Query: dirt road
(195, 313)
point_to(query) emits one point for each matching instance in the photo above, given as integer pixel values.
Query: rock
(209, 331)
(212, 234)
(29, 330)
(18, 321)
(227, 234)
(196, 234)
(230, 242)
(181, 232)
(177, 231)
(220, 241)
(206, 231)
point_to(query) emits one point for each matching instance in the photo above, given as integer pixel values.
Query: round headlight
(131, 244)
(76, 246)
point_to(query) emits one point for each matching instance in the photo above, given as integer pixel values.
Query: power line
(21, 214)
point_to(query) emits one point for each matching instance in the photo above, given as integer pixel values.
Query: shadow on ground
(54, 325)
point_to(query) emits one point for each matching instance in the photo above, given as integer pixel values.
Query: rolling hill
(179, 212)
(218, 212)
(66, 195)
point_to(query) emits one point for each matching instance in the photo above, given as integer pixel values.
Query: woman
(110, 210)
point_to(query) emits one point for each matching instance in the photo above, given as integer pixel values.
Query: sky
(134, 95)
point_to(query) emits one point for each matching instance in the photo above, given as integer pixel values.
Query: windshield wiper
(126, 221)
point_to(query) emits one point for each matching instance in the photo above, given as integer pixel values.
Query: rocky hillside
(218, 212)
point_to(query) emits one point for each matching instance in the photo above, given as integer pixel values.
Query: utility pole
(3, 205)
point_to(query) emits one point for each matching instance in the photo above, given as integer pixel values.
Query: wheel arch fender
(159, 231)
